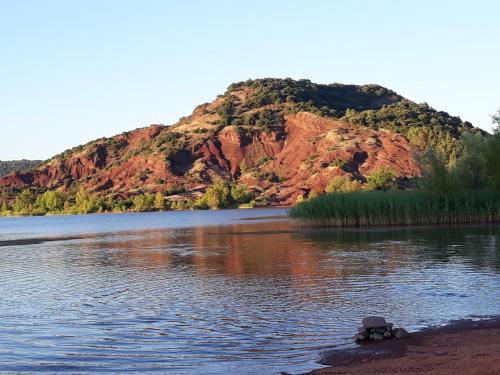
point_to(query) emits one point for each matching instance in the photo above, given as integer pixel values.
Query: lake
(232, 291)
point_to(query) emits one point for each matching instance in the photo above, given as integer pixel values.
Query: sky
(73, 71)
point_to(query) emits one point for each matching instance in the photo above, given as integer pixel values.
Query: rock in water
(379, 330)
(387, 335)
(400, 333)
(377, 336)
(374, 322)
(361, 337)
(363, 331)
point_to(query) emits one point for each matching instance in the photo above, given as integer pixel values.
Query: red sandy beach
(461, 348)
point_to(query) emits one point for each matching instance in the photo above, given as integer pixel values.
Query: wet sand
(463, 347)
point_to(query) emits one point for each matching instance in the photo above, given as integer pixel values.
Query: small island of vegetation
(465, 190)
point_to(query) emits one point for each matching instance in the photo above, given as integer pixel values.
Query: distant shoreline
(144, 212)
(465, 347)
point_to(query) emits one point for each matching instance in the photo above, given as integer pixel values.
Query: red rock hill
(282, 138)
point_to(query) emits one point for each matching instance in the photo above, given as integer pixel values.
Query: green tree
(4, 208)
(159, 201)
(492, 156)
(218, 195)
(86, 203)
(382, 179)
(240, 193)
(344, 183)
(496, 120)
(24, 203)
(51, 201)
(143, 202)
(471, 167)
(436, 176)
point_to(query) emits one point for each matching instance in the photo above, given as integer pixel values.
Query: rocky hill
(282, 138)
(9, 166)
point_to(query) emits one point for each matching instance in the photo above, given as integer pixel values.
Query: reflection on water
(241, 297)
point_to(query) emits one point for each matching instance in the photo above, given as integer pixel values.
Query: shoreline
(466, 347)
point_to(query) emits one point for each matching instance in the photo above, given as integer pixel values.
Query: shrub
(51, 201)
(218, 195)
(240, 193)
(382, 179)
(86, 203)
(436, 176)
(143, 202)
(343, 183)
(471, 167)
(339, 163)
(24, 204)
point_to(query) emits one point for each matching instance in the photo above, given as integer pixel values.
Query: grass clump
(398, 207)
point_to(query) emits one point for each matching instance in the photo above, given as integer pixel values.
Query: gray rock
(374, 322)
(387, 335)
(361, 337)
(389, 326)
(400, 333)
(379, 330)
(371, 336)
(377, 336)
(363, 331)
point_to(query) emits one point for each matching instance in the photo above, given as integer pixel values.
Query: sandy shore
(461, 348)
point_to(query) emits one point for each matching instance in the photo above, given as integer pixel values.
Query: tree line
(29, 202)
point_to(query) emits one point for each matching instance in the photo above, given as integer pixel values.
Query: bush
(218, 195)
(240, 193)
(143, 202)
(492, 157)
(86, 203)
(436, 176)
(339, 184)
(24, 204)
(51, 201)
(159, 201)
(471, 167)
(382, 179)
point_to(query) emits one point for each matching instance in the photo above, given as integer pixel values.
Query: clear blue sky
(72, 71)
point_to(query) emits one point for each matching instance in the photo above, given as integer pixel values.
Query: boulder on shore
(374, 322)
(375, 328)
(400, 333)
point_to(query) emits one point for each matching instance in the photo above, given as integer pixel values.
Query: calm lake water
(209, 293)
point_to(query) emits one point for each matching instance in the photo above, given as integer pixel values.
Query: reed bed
(399, 208)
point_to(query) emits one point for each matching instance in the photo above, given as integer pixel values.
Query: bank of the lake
(465, 347)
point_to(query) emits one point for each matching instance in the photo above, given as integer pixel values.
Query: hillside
(9, 166)
(282, 138)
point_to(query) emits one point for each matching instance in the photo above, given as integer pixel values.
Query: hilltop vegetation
(373, 106)
(23, 165)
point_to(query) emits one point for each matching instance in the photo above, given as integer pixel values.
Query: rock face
(294, 159)
(269, 140)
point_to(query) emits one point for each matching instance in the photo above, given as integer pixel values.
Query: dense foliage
(372, 106)
(23, 165)
(382, 179)
(342, 184)
(28, 202)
